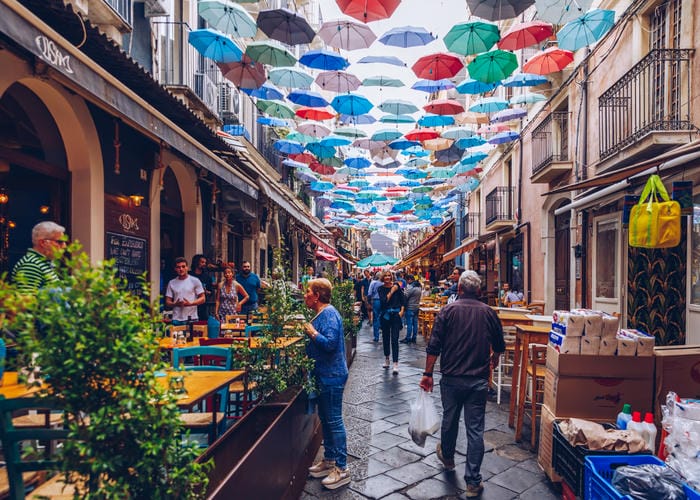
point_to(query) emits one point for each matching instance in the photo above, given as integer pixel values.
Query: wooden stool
(536, 369)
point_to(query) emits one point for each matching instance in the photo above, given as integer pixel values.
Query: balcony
(499, 208)
(550, 148)
(470, 226)
(647, 111)
(112, 16)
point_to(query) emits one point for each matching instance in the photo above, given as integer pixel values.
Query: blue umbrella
(386, 135)
(321, 151)
(472, 158)
(215, 45)
(398, 107)
(409, 183)
(470, 142)
(508, 114)
(271, 121)
(285, 26)
(436, 120)
(402, 144)
(457, 133)
(346, 193)
(397, 119)
(324, 60)
(358, 183)
(417, 151)
(585, 30)
(291, 78)
(528, 98)
(524, 80)
(403, 206)
(504, 137)
(351, 104)
(357, 162)
(407, 36)
(335, 141)
(265, 91)
(471, 86)
(394, 61)
(488, 105)
(321, 186)
(415, 174)
(289, 147)
(307, 98)
(343, 205)
(362, 119)
(431, 86)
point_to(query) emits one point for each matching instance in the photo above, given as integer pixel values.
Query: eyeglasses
(60, 242)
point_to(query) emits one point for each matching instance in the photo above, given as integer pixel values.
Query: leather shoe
(404, 341)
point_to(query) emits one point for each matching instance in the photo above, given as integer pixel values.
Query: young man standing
(251, 283)
(184, 294)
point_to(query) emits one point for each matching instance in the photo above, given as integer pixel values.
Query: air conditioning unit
(228, 103)
(206, 90)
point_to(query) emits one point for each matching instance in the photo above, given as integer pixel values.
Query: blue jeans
(411, 324)
(249, 307)
(330, 411)
(376, 313)
(467, 394)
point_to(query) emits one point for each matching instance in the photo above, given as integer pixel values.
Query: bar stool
(536, 369)
(504, 371)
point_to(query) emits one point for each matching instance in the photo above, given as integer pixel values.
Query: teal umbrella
(376, 260)
(397, 119)
(529, 98)
(585, 30)
(382, 81)
(472, 37)
(227, 17)
(353, 132)
(268, 52)
(492, 66)
(290, 77)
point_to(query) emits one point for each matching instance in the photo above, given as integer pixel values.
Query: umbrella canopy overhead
(508, 114)
(227, 17)
(495, 10)
(397, 119)
(215, 45)
(585, 30)
(376, 260)
(351, 104)
(524, 80)
(444, 107)
(392, 60)
(275, 108)
(324, 60)
(472, 37)
(285, 26)
(435, 120)
(489, 105)
(437, 66)
(338, 81)
(407, 36)
(313, 129)
(550, 61)
(347, 35)
(266, 91)
(493, 66)
(314, 114)
(528, 98)
(308, 98)
(471, 86)
(368, 10)
(382, 81)
(291, 77)
(525, 34)
(398, 107)
(245, 74)
(268, 52)
(561, 11)
(431, 86)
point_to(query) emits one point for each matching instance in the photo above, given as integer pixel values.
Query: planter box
(349, 351)
(267, 452)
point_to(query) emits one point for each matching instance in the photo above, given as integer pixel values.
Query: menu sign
(130, 255)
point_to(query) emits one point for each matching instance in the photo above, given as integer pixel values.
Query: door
(562, 259)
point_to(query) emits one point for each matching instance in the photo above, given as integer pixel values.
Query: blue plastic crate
(600, 470)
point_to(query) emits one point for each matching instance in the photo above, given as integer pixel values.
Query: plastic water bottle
(638, 426)
(650, 435)
(624, 416)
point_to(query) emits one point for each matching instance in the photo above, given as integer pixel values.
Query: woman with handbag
(392, 307)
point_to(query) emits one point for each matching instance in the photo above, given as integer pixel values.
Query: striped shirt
(33, 271)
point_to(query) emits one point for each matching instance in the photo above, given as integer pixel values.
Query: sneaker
(395, 371)
(321, 468)
(338, 477)
(447, 463)
(474, 490)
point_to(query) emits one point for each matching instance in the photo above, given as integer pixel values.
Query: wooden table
(11, 389)
(524, 336)
(513, 318)
(236, 342)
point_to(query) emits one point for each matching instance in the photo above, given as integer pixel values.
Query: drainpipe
(459, 260)
(584, 175)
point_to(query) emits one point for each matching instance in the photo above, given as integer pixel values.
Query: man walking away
(467, 335)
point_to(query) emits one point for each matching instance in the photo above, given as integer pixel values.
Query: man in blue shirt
(251, 283)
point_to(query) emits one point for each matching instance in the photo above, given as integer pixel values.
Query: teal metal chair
(251, 330)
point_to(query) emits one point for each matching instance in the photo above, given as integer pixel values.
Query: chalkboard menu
(130, 254)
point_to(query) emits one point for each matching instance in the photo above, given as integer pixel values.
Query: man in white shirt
(184, 294)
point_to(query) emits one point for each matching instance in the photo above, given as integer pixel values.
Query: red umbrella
(550, 61)
(314, 114)
(492, 129)
(421, 134)
(437, 66)
(368, 10)
(307, 158)
(444, 107)
(246, 74)
(525, 34)
(320, 168)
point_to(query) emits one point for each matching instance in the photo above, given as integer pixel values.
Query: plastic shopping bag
(424, 418)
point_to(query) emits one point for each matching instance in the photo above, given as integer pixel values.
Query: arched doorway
(172, 224)
(34, 176)
(562, 260)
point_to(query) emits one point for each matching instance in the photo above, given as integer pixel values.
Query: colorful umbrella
(382, 81)
(227, 17)
(437, 144)
(265, 91)
(351, 104)
(386, 135)
(444, 107)
(398, 107)
(524, 80)
(550, 61)
(457, 133)
(431, 86)
(289, 147)
(299, 137)
(367, 144)
(335, 141)
(470, 142)
(286, 26)
(523, 35)
(314, 114)
(435, 120)
(321, 152)
(357, 162)
(290, 77)
(352, 132)
(324, 60)
(245, 73)
(469, 117)
(397, 119)
(492, 129)
(561, 11)
(527, 98)
(307, 98)
(492, 66)
(269, 52)
(508, 114)
(393, 60)
(368, 10)
(321, 186)
(489, 105)
(407, 36)
(402, 144)
(471, 86)
(338, 81)
(313, 129)
(275, 108)
(215, 45)
(347, 35)
(448, 156)
(495, 10)
(504, 137)
(585, 30)
(293, 164)
(471, 37)
(437, 66)
(271, 122)
(472, 158)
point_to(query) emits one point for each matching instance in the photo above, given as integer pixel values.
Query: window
(694, 298)
(606, 232)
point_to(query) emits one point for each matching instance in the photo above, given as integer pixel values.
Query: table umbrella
(288, 147)
(397, 119)
(392, 60)
(314, 114)
(291, 78)
(561, 11)
(286, 26)
(351, 104)
(489, 105)
(215, 45)
(308, 98)
(376, 260)
(421, 134)
(227, 17)
(444, 107)
(523, 35)
(492, 66)
(275, 108)
(398, 107)
(495, 10)
(471, 86)
(338, 81)
(470, 142)
(524, 80)
(471, 37)
(456, 133)
(266, 91)
(435, 120)
(352, 132)
(245, 73)
(347, 35)
(386, 135)
(437, 66)
(549, 61)
(324, 60)
(368, 10)
(585, 30)
(382, 81)
(313, 129)
(431, 86)
(503, 137)
(269, 52)
(527, 98)
(508, 114)
(407, 36)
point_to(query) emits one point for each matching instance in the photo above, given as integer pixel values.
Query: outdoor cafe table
(12, 389)
(524, 336)
(513, 318)
(236, 342)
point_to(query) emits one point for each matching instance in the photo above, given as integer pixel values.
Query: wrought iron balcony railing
(499, 205)
(653, 96)
(470, 226)
(550, 141)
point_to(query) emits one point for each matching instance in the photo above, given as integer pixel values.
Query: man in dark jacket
(468, 337)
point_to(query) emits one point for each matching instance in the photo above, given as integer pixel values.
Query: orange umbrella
(550, 61)
(471, 117)
(314, 114)
(525, 34)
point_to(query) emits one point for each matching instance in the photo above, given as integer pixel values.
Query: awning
(465, 247)
(321, 255)
(346, 260)
(425, 246)
(322, 245)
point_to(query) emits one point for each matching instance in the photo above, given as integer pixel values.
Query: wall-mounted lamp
(4, 197)
(136, 199)
(44, 209)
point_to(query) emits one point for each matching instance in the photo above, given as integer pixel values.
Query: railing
(499, 205)
(550, 141)
(470, 226)
(653, 96)
(123, 8)
(181, 64)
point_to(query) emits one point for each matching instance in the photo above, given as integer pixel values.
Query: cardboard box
(608, 346)
(565, 344)
(544, 452)
(596, 387)
(590, 346)
(626, 346)
(677, 369)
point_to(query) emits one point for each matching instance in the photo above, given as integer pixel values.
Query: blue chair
(251, 330)
(206, 358)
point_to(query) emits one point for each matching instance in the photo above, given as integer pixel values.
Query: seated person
(512, 296)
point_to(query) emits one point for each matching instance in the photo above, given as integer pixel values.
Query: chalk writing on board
(130, 255)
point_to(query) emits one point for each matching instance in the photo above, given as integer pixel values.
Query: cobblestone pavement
(386, 464)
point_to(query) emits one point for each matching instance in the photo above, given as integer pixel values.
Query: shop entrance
(172, 226)
(562, 258)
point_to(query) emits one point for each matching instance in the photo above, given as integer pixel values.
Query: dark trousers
(390, 336)
(467, 394)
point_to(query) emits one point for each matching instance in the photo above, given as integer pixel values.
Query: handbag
(655, 221)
